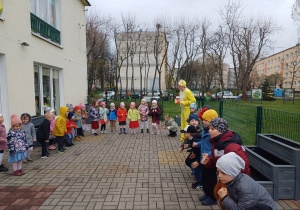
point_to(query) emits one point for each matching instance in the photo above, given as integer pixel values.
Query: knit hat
(76, 108)
(182, 83)
(193, 106)
(70, 115)
(112, 104)
(132, 104)
(193, 117)
(154, 102)
(209, 115)
(102, 103)
(82, 106)
(15, 120)
(231, 164)
(189, 129)
(122, 104)
(70, 106)
(1, 115)
(202, 110)
(48, 109)
(220, 124)
(144, 100)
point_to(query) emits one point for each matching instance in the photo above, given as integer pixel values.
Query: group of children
(101, 114)
(218, 160)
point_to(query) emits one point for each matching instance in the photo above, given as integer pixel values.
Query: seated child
(70, 125)
(171, 125)
(193, 159)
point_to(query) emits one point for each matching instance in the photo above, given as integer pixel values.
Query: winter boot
(124, 131)
(147, 130)
(142, 130)
(120, 131)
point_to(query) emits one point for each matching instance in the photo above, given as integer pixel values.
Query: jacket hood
(228, 138)
(63, 110)
(29, 121)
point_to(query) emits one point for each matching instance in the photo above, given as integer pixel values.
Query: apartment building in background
(286, 63)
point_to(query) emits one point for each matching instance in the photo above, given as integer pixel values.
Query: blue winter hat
(193, 106)
(70, 115)
(193, 117)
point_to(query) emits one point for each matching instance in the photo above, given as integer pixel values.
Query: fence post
(198, 104)
(221, 108)
(202, 101)
(258, 121)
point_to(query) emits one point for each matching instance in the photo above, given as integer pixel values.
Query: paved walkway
(110, 171)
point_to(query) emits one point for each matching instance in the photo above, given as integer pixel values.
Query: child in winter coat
(78, 122)
(122, 113)
(3, 143)
(52, 124)
(171, 125)
(133, 116)
(84, 116)
(155, 113)
(17, 145)
(60, 128)
(112, 116)
(29, 129)
(43, 132)
(144, 111)
(95, 117)
(70, 125)
(103, 116)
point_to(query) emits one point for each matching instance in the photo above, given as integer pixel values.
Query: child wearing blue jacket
(112, 116)
(208, 175)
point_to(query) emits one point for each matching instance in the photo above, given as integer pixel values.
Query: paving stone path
(109, 171)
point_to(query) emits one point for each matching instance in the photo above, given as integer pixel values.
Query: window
(268, 69)
(291, 64)
(278, 67)
(285, 84)
(291, 74)
(287, 56)
(46, 85)
(278, 58)
(295, 53)
(45, 19)
(286, 65)
(272, 61)
(292, 54)
(286, 74)
(299, 83)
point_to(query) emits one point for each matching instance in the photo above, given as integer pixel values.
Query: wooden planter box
(262, 180)
(281, 173)
(284, 149)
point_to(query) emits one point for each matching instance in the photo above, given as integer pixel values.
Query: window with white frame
(48, 11)
(46, 86)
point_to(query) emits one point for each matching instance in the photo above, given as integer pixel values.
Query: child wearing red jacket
(122, 113)
(223, 141)
(70, 125)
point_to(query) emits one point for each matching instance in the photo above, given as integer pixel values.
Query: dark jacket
(196, 150)
(155, 115)
(43, 131)
(225, 143)
(245, 193)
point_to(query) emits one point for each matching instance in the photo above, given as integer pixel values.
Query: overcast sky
(147, 10)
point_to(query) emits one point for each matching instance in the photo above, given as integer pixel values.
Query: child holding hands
(112, 116)
(103, 116)
(144, 111)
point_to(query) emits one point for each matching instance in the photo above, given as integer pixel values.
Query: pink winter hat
(102, 103)
(82, 106)
(132, 104)
(154, 102)
(15, 120)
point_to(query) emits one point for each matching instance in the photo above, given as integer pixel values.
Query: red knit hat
(76, 108)
(202, 112)
(15, 120)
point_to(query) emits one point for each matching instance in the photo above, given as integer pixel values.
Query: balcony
(42, 28)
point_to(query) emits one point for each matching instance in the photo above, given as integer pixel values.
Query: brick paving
(109, 171)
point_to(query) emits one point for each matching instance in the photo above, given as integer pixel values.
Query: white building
(42, 55)
(140, 47)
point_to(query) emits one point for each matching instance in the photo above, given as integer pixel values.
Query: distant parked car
(110, 94)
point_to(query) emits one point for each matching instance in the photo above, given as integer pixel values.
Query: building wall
(70, 58)
(281, 63)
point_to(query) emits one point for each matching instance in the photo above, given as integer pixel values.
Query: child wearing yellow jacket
(133, 116)
(60, 128)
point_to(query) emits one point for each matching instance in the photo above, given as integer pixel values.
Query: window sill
(48, 40)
